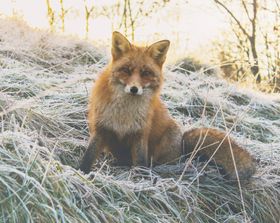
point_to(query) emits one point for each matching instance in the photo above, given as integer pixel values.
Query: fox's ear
(158, 51)
(120, 45)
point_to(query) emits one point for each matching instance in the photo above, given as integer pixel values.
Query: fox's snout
(133, 89)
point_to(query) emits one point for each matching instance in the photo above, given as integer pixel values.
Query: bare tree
(88, 12)
(272, 42)
(50, 15)
(250, 36)
(132, 14)
(62, 15)
(124, 20)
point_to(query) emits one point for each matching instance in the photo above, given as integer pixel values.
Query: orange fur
(214, 143)
(127, 118)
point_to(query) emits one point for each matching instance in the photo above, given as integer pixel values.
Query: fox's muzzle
(133, 89)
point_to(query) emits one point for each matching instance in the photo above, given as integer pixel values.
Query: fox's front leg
(139, 153)
(91, 154)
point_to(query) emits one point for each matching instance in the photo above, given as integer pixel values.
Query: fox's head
(137, 70)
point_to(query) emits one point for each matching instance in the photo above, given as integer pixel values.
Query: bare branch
(246, 10)
(234, 17)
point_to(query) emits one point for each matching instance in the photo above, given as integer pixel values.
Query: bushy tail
(218, 146)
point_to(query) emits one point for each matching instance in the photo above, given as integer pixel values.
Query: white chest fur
(125, 114)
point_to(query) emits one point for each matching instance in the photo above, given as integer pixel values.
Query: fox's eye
(125, 70)
(146, 73)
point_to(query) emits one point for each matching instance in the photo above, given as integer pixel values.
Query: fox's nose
(134, 90)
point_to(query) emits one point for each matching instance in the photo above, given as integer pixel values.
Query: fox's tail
(216, 145)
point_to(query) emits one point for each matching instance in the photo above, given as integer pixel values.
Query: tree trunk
(62, 16)
(50, 15)
(255, 68)
(87, 23)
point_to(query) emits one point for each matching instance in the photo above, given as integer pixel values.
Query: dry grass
(44, 85)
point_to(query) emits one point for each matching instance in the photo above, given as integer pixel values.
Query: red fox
(128, 119)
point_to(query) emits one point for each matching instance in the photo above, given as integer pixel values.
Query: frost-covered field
(44, 86)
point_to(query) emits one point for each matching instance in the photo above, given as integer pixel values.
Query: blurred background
(241, 38)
